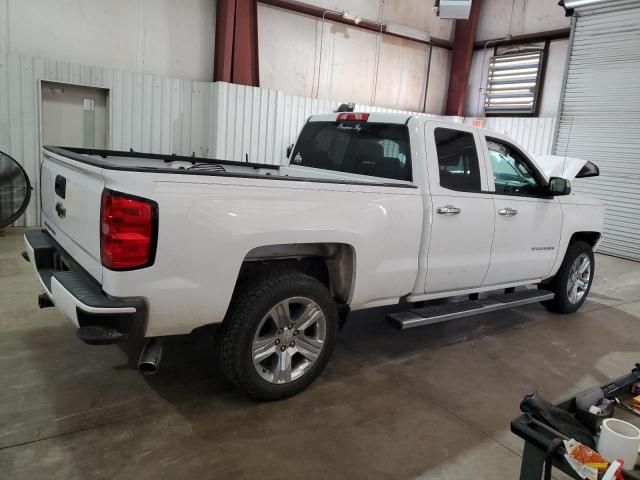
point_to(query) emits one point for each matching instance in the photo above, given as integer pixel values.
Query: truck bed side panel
(207, 225)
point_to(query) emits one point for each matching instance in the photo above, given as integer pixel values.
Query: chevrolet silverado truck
(369, 210)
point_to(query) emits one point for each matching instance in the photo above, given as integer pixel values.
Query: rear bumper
(79, 296)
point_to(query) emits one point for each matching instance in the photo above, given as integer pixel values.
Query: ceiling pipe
(364, 24)
(549, 35)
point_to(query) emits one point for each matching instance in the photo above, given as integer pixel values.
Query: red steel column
(245, 46)
(236, 49)
(225, 26)
(463, 42)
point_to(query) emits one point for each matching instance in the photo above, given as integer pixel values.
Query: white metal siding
(534, 134)
(600, 118)
(146, 112)
(260, 123)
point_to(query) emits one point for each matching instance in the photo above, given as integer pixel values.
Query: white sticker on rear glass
(356, 127)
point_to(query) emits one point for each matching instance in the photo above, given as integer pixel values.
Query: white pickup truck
(372, 210)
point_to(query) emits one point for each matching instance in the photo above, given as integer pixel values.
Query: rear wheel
(278, 335)
(572, 283)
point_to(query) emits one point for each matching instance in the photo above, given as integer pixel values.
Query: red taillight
(353, 117)
(128, 228)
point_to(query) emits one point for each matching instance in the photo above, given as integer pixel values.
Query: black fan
(15, 190)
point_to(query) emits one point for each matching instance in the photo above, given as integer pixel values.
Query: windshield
(373, 149)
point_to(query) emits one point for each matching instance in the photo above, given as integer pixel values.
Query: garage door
(600, 117)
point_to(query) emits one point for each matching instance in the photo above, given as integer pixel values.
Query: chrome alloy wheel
(579, 278)
(289, 340)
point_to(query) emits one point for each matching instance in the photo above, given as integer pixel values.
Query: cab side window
(457, 160)
(512, 172)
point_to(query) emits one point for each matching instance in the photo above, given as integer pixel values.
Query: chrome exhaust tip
(150, 357)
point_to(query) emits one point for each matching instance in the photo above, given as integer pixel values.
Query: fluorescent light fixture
(458, 9)
(408, 32)
(583, 3)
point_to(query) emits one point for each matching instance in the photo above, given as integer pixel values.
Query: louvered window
(513, 82)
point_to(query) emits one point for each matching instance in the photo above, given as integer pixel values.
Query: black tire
(250, 304)
(559, 284)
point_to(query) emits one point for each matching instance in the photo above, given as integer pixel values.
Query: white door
(462, 216)
(74, 116)
(528, 223)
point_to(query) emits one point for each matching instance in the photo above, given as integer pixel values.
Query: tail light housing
(128, 231)
(352, 117)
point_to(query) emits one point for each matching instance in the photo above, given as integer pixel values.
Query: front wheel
(278, 334)
(572, 283)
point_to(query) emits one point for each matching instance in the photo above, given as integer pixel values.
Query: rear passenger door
(528, 222)
(462, 217)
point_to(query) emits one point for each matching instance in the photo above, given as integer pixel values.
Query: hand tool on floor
(626, 407)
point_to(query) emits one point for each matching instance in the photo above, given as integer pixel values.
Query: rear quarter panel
(207, 225)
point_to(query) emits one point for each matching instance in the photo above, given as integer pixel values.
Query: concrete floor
(433, 402)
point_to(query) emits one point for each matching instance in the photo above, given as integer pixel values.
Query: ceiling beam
(335, 16)
(549, 35)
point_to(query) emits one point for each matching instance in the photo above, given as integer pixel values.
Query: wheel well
(333, 264)
(592, 238)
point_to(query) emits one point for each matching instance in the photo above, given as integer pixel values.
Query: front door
(462, 217)
(528, 223)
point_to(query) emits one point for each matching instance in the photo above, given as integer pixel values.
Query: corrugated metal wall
(146, 112)
(259, 123)
(166, 115)
(534, 134)
(600, 118)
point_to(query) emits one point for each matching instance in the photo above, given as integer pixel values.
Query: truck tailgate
(71, 194)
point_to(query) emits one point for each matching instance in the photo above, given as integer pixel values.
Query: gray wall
(524, 16)
(355, 65)
(163, 37)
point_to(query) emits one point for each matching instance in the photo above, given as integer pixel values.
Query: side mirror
(289, 150)
(559, 186)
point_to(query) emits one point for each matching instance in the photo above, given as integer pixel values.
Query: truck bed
(185, 165)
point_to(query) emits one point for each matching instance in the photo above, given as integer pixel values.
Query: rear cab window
(372, 149)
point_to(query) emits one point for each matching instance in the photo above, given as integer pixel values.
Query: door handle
(60, 186)
(60, 210)
(508, 212)
(448, 210)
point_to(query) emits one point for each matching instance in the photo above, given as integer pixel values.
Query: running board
(429, 315)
